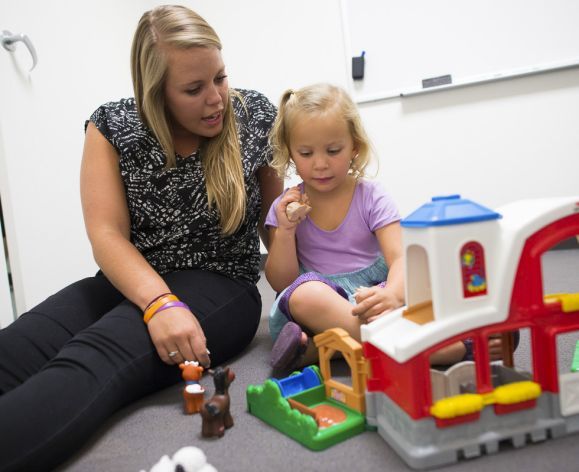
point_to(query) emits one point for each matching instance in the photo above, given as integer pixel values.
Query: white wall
(493, 143)
(5, 298)
(83, 61)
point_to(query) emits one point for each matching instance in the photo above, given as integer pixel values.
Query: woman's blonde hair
(317, 99)
(181, 28)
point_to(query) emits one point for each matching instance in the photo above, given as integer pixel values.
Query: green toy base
(267, 403)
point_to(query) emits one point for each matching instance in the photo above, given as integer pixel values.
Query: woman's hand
(177, 330)
(373, 302)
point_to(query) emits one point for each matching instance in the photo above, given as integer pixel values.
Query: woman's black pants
(82, 354)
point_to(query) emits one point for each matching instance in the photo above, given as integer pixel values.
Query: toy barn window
(472, 262)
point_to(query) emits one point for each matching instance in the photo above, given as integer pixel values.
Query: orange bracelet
(158, 303)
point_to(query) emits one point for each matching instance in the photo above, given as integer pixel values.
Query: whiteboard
(408, 41)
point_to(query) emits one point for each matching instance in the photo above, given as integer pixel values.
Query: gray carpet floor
(136, 437)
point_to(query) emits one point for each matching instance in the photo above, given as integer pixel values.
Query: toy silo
(449, 245)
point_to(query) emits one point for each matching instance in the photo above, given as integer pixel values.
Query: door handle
(9, 40)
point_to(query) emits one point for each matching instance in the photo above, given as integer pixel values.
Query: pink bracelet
(171, 305)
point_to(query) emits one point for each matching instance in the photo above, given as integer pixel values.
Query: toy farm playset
(312, 407)
(472, 275)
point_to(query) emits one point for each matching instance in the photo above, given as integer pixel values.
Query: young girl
(341, 264)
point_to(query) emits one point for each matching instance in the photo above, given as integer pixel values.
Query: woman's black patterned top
(171, 223)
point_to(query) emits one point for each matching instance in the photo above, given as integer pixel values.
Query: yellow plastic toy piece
(458, 405)
(468, 403)
(517, 392)
(569, 301)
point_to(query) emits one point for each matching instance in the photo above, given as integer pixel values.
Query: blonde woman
(172, 186)
(341, 264)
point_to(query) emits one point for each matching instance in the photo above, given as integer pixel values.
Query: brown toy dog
(215, 412)
(193, 393)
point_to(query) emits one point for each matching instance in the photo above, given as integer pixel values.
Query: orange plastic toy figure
(193, 393)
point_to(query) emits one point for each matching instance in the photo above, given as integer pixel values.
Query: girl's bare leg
(317, 307)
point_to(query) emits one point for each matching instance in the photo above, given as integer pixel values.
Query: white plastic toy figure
(189, 458)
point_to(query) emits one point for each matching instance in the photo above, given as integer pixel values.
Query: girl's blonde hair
(318, 99)
(181, 28)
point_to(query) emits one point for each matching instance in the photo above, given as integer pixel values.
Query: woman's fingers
(200, 351)
(174, 356)
(191, 348)
(178, 337)
(169, 355)
(184, 348)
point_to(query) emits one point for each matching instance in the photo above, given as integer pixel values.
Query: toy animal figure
(215, 412)
(298, 210)
(187, 459)
(193, 393)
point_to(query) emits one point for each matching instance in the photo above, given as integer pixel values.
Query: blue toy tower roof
(448, 210)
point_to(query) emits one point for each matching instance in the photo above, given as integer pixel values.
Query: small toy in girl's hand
(193, 393)
(189, 459)
(297, 210)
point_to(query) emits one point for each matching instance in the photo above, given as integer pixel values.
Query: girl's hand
(373, 302)
(177, 330)
(292, 195)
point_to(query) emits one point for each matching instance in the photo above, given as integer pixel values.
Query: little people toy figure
(297, 211)
(188, 458)
(215, 412)
(193, 393)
